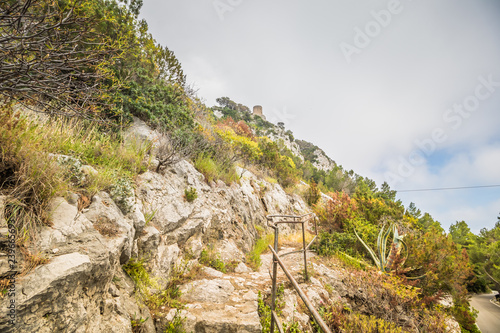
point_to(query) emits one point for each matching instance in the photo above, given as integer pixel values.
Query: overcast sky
(406, 92)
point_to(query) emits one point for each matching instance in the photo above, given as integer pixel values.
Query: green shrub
(214, 170)
(264, 313)
(176, 324)
(259, 247)
(229, 176)
(136, 270)
(465, 316)
(313, 194)
(212, 259)
(120, 192)
(330, 243)
(207, 166)
(138, 324)
(190, 194)
(150, 215)
(280, 164)
(264, 308)
(149, 289)
(260, 230)
(351, 261)
(339, 317)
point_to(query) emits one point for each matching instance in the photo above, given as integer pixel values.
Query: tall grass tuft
(214, 170)
(31, 177)
(260, 247)
(207, 167)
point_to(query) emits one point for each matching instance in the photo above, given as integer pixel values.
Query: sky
(401, 91)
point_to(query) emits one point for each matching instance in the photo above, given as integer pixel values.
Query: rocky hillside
(81, 286)
(303, 150)
(107, 225)
(124, 262)
(315, 155)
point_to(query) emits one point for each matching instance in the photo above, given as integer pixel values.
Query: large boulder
(117, 231)
(65, 222)
(74, 290)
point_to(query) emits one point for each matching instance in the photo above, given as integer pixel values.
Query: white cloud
(367, 114)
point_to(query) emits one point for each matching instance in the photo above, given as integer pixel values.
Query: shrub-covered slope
(128, 168)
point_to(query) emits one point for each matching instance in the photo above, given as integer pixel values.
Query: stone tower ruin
(257, 111)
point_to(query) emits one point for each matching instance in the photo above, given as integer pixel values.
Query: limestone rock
(452, 325)
(250, 296)
(148, 241)
(213, 291)
(242, 268)
(229, 321)
(323, 162)
(167, 256)
(118, 231)
(61, 268)
(242, 318)
(88, 170)
(66, 223)
(137, 217)
(4, 246)
(49, 296)
(314, 296)
(212, 272)
(194, 246)
(139, 133)
(229, 251)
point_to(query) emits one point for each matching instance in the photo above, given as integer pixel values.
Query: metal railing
(273, 221)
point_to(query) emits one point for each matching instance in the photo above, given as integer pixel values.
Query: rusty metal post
(307, 302)
(275, 277)
(305, 251)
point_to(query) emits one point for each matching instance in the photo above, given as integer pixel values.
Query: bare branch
(51, 55)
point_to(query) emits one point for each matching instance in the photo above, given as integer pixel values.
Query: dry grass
(30, 177)
(31, 260)
(106, 227)
(255, 170)
(4, 285)
(261, 246)
(297, 189)
(295, 239)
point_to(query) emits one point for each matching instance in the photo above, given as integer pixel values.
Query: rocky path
(220, 302)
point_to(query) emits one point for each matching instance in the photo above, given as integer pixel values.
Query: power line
(448, 188)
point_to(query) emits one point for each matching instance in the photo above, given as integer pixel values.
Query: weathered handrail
(303, 296)
(276, 260)
(305, 248)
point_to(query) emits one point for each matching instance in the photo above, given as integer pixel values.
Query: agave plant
(385, 264)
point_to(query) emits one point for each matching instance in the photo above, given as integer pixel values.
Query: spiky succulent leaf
(383, 246)
(379, 240)
(372, 253)
(405, 248)
(393, 253)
